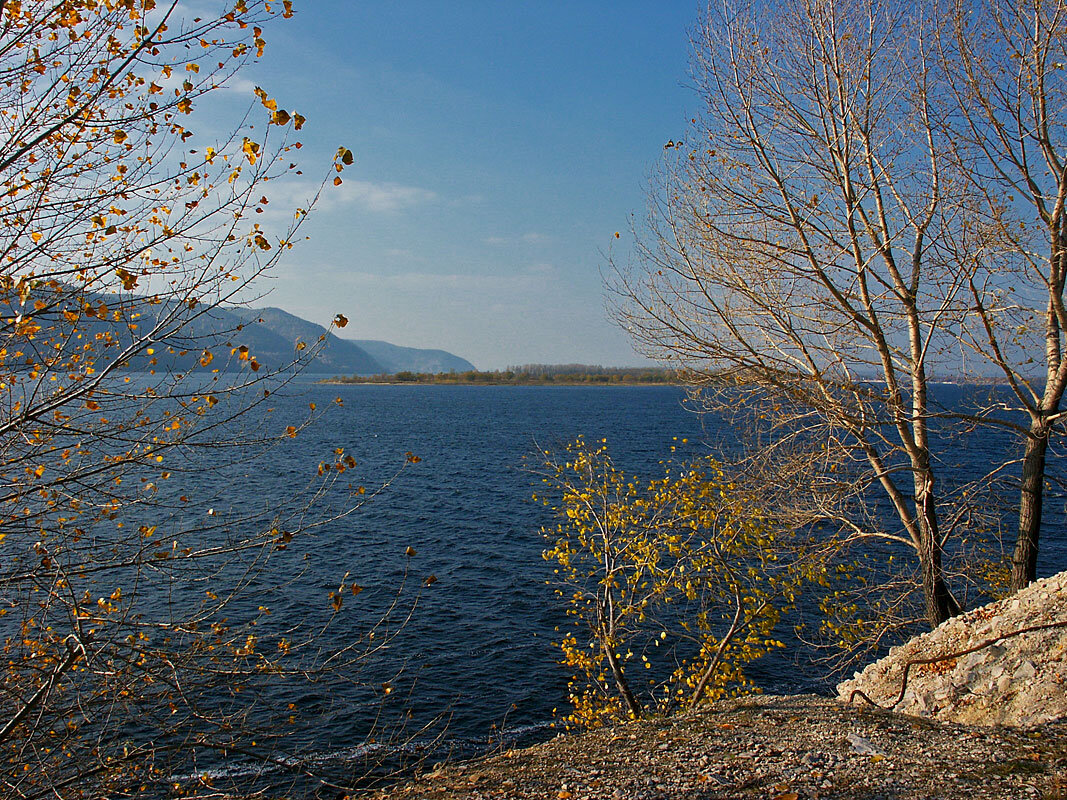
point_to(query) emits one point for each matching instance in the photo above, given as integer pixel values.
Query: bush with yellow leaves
(677, 576)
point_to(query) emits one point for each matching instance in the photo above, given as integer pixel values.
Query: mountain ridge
(180, 336)
(396, 358)
(352, 356)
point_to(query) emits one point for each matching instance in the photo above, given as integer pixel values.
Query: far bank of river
(605, 384)
(548, 376)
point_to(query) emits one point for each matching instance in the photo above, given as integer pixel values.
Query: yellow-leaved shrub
(673, 583)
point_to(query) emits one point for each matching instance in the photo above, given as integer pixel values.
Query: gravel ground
(777, 748)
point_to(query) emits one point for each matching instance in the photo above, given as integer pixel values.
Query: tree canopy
(872, 195)
(129, 653)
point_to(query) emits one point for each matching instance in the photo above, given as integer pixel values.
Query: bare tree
(1004, 63)
(795, 262)
(129, 651)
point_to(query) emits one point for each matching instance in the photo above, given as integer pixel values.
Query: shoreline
(334, 382)
(799, 747)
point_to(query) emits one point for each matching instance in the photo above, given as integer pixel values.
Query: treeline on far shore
(530, 374)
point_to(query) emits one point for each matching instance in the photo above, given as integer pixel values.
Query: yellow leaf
(250, 149)
(340, 320)
(129, 280)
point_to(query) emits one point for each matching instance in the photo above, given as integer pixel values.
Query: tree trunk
(607, 641)
(709, 671)
(620, 679)
(939, 604)
(1024, 560)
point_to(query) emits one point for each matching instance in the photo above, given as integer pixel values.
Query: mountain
(271, 334)
(274, 332)
(411, 359)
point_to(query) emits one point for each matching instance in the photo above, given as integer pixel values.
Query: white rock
(1017, 681)
(1024, 672)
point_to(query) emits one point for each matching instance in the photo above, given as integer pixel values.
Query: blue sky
(498, 145)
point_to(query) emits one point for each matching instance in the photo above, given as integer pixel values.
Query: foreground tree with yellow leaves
(127, 659)
(679, 576)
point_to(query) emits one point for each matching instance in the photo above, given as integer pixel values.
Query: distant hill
(636, 376)
(410, 359)
(270, 334)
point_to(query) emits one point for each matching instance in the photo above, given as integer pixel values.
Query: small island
(528, 375)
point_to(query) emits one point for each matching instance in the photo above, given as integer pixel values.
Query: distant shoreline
(530, 375)
(603, 385)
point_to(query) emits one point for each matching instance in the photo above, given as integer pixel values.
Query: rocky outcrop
(1001, 664)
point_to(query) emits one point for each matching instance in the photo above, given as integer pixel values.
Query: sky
(499, 145)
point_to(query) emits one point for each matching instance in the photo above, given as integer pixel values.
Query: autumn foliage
(127, 658)
(673, 583)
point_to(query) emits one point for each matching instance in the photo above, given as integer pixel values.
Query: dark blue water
(468, 660)
(479, 646)
(453, 667)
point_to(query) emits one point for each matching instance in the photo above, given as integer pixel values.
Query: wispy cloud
(384, 197)
(240, 85)
(531, 237)
(535, 276)
(378, 198)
